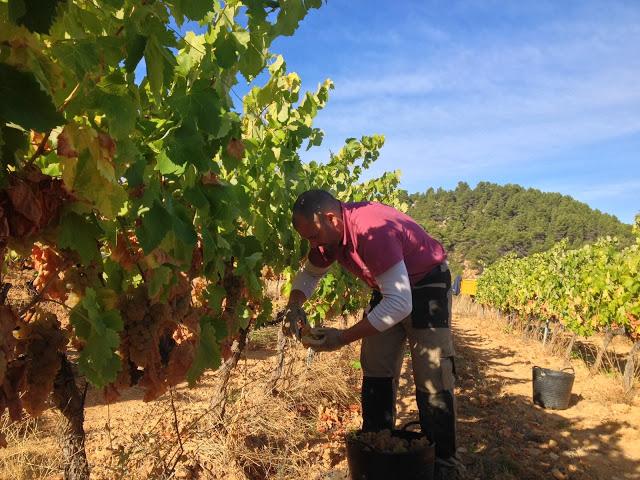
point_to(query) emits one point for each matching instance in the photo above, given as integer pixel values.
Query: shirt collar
(343, 207)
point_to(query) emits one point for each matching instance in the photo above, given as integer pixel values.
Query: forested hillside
(479, 225)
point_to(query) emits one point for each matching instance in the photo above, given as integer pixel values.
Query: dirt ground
(503, 435)
(296, 430)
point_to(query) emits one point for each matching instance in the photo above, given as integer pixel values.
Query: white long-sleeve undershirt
(396, 302)
(394, 285)
(308, 278)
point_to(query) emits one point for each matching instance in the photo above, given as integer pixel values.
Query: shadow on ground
(507, 437)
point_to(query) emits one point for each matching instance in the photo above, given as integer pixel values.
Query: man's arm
(296, 298)
(395, 305)
(305, 283)
(360, 330)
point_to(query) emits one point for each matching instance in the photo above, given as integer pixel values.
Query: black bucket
(552, 388)
(366, 463)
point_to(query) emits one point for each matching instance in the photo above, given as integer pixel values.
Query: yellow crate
(469, 286)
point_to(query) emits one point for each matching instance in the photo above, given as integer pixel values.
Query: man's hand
(293, 318)
(324, 339)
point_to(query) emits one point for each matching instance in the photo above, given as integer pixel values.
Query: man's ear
(333, 218)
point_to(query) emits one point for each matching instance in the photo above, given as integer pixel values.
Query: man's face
(324, 231)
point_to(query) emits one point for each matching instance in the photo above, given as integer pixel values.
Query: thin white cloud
(599, 191)
(500, 101)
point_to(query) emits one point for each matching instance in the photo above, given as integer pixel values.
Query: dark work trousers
(428, 331)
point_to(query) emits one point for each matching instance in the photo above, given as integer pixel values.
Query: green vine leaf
(207, 352)
(80, 235)
(24, 102)
(36, 15)
(155, 225)
(99, 328)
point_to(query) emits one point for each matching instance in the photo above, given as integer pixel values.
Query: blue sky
(545, 94)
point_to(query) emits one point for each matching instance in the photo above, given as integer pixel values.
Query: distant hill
(479, 225)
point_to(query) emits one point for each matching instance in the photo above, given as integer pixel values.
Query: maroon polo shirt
(376, 237)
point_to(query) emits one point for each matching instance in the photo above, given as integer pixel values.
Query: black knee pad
(438, 420)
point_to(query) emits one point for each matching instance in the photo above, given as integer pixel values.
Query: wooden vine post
(70, 401)
(630, 368)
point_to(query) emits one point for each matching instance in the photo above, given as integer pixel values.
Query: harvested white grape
(385, 441)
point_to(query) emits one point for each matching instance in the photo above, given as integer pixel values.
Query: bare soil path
(502, 435)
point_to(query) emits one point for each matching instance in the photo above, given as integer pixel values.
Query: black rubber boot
(377, 404)
(449, 469)
(438, 421)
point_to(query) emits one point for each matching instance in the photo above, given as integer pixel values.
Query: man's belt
(437, 277)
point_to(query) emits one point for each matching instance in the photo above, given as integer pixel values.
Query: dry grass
(270, 436)
(32, 451)
(261, 435)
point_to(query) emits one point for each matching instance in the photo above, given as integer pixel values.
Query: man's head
(317, 217)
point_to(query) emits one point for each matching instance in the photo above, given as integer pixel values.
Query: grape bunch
(156, 349)
(180, 360)
(50, 267)
(159, 340)
(12, 385)
(307, 336)
(40, 341)
(142, 327)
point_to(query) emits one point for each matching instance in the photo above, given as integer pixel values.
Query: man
(411, 283)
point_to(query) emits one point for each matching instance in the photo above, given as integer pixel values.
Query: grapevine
(587, 290)
(153, 208)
